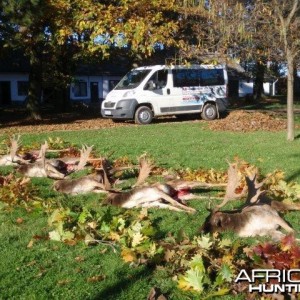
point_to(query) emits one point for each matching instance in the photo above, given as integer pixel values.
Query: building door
(5, 93)
(94, 92)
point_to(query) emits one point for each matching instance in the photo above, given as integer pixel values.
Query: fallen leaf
(30, 244)
(96, 278)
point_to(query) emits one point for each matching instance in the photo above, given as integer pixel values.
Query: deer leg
(160, 205)
(276, 235)
(284, 224)
(169, 199)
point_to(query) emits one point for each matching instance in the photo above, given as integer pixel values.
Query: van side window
(197, 77)
(212, 77)
(157, 81)
(186, 77)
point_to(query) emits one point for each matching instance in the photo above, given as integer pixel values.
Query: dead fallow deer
(53, 168)
(99, 182)
(254, 220)
(41, 168)
(13, 158)
(157, 195)
(258, 217)
(147, 196)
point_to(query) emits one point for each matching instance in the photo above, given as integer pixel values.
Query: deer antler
(15, 144)
(107, 181)
(42, 154)
(254, 187)
(145, 169)
(233, 183)
(84, 156)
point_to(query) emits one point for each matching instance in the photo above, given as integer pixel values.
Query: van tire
(209, 112)
(143, 115)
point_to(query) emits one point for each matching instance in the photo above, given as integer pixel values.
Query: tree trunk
(259, 81)
(34, 90)
(290, 98)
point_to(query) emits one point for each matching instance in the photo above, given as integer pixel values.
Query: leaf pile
(50, 123)
(279, 189)
(246, 121)
(17, 191)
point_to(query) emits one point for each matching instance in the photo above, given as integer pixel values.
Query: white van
(148, 92)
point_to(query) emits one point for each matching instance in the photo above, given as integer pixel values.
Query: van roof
(193, 66)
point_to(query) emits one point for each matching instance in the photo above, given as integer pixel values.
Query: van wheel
(143, 115)
(209, 112)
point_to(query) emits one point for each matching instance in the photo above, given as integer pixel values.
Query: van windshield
(132, 79)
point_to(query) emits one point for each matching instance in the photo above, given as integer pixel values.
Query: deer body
(256, 220)
(151, 196)
(86, 184)
(39, 169)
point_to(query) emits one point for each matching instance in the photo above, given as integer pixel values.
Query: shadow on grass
(114, 291)
(19, 117)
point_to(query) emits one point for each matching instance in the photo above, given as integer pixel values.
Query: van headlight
(128, 94)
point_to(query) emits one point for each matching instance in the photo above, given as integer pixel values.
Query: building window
(112, 84)
(22, 88)
(80, 89)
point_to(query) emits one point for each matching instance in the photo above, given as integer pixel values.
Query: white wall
(245, 88)
(14, 78)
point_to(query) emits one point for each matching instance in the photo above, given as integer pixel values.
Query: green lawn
(46, 269)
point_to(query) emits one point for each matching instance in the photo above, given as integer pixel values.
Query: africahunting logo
(271, 280)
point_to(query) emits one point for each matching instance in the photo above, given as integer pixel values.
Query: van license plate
(107, 112)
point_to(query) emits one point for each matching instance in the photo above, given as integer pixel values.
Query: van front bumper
(124, 109)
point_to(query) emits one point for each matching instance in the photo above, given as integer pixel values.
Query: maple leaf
(169, 254)
(204, 242)
(225, 243)
(226, 273)
(54, 235)
(137, 238)
(128, 255)
(287, 242)
(57, 216)
(197, 263)
(89, 240)
(193, 280)
(114, 236)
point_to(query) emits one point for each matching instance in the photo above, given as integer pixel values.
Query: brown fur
(86, 184)
(255, 220)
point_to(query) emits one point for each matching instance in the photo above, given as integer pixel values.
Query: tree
(281, 19)
(48, 30)
(213, 29)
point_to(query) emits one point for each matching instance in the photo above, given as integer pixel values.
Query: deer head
(217, 221)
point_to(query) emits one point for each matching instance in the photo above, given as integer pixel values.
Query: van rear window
(198, 77)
